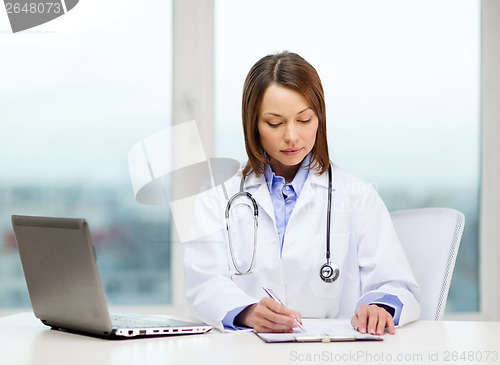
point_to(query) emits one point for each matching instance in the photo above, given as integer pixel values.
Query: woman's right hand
(268, 316)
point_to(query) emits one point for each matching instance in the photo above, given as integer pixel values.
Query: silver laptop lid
(63, 280)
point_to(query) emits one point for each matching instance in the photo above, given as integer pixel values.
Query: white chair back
(430, 238)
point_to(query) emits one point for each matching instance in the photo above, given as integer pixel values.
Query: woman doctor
(284, 123)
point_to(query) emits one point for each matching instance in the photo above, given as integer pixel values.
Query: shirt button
(288, 201)
(287, 188)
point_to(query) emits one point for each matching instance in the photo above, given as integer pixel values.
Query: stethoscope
(329, 272)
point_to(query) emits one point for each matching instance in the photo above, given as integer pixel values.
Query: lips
(291, 151)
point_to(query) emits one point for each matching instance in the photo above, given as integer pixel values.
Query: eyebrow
(278, 115)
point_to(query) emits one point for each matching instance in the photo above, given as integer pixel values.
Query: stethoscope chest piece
(329, 272)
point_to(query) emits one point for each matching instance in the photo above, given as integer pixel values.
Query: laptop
(59, 263)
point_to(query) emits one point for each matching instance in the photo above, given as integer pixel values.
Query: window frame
(489, 241)
(193, 51)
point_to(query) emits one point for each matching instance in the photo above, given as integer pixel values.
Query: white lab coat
(363, 242)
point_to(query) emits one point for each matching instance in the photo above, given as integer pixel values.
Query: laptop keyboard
(120, 321)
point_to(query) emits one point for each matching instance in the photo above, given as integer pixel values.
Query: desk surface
(25, 340)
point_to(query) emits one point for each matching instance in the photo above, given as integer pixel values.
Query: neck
(287, 172)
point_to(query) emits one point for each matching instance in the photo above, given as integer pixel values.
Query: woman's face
(287, 127)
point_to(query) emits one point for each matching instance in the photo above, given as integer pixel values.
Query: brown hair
(292, 71)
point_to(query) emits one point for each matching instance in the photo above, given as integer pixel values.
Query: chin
(294, 161)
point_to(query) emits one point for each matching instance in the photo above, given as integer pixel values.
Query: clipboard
(320, 331)
(304, 337)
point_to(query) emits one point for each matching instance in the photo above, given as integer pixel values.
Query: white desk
(25, 340)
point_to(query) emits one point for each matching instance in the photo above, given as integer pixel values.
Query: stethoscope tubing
(242, 193)
(332, 271)
(329, 214)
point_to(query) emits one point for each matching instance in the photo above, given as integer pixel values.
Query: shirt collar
(298, 180)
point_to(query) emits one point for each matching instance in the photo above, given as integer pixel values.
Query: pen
(275, 297)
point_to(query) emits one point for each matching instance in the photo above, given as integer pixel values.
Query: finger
(274, 306)
(280, 309)
(382, 322)
(390, 325)
(281, 319)
(373, 318)
(273, 316)
(362, 314)
(296, 315)
(267, 326)
(354, 322)
(270, 323)
(276, 318)
(280, 312)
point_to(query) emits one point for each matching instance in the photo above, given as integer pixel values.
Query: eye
(273, 125)
(304, 121)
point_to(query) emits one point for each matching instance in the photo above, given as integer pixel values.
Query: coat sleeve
(384, 268)
(209, 290)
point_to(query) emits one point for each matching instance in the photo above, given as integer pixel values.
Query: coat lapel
(314, 185)
(257, 186)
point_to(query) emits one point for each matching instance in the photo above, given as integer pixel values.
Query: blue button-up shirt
(284, 196)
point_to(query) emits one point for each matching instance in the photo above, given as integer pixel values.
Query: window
(75, 97)
(401, 80)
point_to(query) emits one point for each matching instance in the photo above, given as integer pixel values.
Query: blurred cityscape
(133, 241)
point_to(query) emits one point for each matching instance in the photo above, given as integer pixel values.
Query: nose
(291, 133)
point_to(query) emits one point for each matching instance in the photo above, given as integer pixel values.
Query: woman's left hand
(372, 319)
